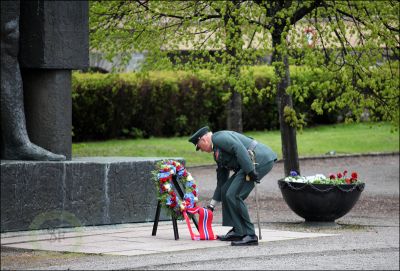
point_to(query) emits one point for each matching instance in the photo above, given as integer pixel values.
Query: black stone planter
(320, 202)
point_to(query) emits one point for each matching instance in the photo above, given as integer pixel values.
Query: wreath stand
(174, 223)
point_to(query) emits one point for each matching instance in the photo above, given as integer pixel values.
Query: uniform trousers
(233, 193)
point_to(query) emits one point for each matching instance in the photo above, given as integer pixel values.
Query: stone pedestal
(83, 191)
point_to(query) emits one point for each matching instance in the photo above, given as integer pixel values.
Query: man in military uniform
(234, 151)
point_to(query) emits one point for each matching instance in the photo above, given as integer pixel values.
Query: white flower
(320, 177)
(316, 177)
(305, 179)
(189, 177)
(298, 179)
(167, 187)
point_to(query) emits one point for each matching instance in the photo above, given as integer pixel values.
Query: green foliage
(168, 103)
(292, 118)
(163, 27)
(350, 37)
(128, 105)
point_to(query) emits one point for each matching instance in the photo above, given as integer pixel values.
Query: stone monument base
(82, 192)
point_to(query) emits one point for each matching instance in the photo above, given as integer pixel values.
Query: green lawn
(341, 138)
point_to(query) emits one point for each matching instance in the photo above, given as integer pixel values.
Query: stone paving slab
(129, 239)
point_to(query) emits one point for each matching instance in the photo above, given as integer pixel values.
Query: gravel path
(379, 199)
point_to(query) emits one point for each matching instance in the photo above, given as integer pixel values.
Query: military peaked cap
(196, 136)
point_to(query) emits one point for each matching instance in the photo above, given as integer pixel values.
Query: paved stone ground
(366, 238)
(130, 239)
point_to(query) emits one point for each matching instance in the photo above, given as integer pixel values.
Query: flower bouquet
(334, 179)
(321, 198)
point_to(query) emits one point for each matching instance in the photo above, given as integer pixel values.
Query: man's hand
(253, 176)
(210, 207)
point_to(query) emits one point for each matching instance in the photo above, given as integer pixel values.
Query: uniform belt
(252, 146)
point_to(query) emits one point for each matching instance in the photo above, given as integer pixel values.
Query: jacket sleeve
(231, 144)
(222, 177)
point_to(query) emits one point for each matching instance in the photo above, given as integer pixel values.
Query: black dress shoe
(230, 236)
(247, 240)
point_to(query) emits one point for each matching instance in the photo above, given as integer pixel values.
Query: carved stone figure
(41, 43)
(15, 141)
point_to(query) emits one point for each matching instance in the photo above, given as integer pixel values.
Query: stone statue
(15, 141)
(41, 43)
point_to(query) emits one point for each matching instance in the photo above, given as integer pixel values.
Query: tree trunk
(234, 113)
(288, 133)
(233, 38)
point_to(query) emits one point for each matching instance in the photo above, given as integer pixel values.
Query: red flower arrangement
(342, 178)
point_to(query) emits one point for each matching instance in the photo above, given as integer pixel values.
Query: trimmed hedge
(125, 105)
(130, 105)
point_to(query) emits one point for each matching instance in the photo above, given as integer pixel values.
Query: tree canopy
(358, 40)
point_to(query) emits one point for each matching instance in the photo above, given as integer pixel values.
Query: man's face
(204, 143)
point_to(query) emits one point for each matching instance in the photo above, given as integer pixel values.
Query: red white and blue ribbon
(205, 223)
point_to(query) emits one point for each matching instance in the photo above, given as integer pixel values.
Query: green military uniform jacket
(230, 153)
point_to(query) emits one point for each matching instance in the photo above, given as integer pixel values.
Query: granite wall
(83, 191)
